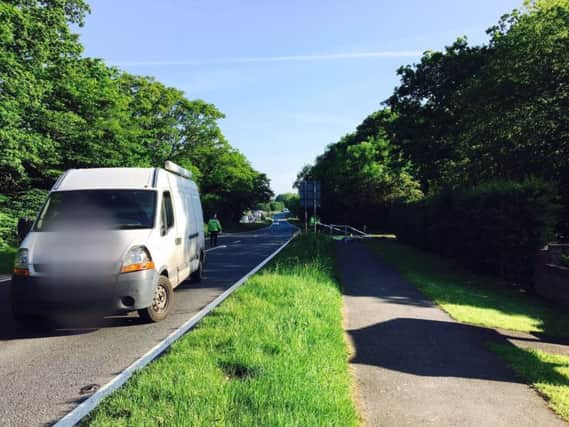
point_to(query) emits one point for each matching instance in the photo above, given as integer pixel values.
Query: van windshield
(98, 209)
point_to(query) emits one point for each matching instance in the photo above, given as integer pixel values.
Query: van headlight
(22, 263)
(137, 259)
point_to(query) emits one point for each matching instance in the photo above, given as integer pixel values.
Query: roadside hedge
(15, 206)
(493, 228)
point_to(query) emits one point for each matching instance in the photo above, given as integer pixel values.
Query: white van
(114, 239)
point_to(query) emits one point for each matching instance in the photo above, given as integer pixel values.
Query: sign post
(310, 198)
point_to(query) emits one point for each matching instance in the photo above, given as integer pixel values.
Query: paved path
(41, 375)
(414, 365)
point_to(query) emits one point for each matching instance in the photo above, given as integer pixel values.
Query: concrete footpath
(414, 365)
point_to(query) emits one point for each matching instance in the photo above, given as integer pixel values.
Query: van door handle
(178, 240)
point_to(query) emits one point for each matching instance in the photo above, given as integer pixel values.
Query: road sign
(309, 192)
(310, 199)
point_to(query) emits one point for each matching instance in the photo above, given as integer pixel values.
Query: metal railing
(344, 229)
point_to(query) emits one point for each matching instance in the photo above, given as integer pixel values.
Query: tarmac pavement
(413, 365)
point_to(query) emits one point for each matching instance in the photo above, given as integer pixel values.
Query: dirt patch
(238, 371)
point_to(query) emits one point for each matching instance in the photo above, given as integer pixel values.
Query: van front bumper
(110, 294)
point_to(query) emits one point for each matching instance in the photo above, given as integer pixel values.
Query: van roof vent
(178, 170)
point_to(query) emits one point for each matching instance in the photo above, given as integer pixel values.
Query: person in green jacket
(214, 228)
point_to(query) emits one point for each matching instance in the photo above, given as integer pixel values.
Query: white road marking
(237, 241)
(91, 403)
(215, 247)
(5, 280)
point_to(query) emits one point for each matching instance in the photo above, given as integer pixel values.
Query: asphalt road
(42, 374)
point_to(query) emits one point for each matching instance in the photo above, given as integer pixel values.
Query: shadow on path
(430, 348)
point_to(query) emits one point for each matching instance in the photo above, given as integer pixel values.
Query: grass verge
(7, 254)
(471, 298)
(273, 354)
(547, 373)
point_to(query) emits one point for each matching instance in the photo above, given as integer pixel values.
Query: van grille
(77, 268)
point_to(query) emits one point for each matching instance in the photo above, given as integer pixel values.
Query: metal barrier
(344, 229)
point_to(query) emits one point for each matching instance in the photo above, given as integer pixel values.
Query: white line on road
(215, 247)
(91, 403)
(4, 280)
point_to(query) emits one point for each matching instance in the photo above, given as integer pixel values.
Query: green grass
(470, 298)
(272, 355)
(547, 373)
(7, 254)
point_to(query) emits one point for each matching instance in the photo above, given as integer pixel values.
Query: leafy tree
(59, 110)
(291, 201)
(361, 175)
(470, 115)
(429, 109)
(35, 43)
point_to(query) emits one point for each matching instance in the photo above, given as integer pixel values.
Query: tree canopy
(361, 174)
(499, 111)
(60, 110)
(465, 116)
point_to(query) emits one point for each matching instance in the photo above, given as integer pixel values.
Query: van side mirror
(24, 227)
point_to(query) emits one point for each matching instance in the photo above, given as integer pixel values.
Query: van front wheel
(161, 303)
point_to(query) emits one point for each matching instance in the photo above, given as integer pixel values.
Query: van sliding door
(183, 219)
(169, 242)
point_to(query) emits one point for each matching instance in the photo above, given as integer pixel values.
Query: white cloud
(289, 58)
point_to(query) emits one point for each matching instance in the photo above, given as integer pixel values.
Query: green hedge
(15, 206)
(493, 228)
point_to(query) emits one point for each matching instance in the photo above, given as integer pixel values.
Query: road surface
(43, 374)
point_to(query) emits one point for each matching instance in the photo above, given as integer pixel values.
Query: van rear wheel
(161, 303)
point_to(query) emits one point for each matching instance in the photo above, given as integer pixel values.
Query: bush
(564, 260)
(493, 228)
(15, 206)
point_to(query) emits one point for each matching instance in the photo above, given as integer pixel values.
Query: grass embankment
(273, 355)
(7, 255)
(488, 302)
(471, 298)
(548, 373)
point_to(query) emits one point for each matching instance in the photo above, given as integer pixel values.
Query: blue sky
(291, 76)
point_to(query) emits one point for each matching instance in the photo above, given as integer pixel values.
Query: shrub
(564, 260)
(15, 206)
(492, 228)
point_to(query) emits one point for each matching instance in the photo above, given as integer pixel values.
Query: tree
(361, 175)
(429, 109)
(35, 43)
(59, 110)
(470, 115)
